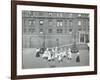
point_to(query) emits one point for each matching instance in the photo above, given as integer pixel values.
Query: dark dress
(42, 50)
(78, 59)
(38, 54)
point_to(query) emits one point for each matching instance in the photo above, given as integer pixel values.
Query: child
(45, 54)
(69, 54)
(38, 52)
(78, 57)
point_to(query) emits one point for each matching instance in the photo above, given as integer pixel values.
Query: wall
(5, 40)
(65, 31)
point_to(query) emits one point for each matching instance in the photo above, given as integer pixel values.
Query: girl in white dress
(45, 54)
(69, 54)
(60, 55)
(56, 52)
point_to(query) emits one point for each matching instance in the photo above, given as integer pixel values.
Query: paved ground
(30, 61)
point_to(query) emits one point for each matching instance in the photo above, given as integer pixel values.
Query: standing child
(69, 54)
(38, 52)
(78, 57)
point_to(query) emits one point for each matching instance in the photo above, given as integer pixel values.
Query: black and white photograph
(54, 39)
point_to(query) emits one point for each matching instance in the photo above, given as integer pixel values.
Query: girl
(69, 54)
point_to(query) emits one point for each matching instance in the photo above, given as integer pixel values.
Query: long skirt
(38, 54)
(78, 59)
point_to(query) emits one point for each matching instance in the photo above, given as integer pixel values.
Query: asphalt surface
(30, 60)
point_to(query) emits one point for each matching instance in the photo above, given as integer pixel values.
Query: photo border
(14, 39)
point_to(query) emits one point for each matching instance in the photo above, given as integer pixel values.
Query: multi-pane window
(87, 38)
(70, 31)
(32, 30)
(59, 23)
(79, 15)
(29, 30)
(41, 31)
(50, 22)
(66, 23)
(41, 22)
(70, 15)
(70, 22)
(59, 30)
(31, 22)
(31, 13)
(49, 30)
(66, 30)
(81, 37)
(40, 13)
(50, 14)
(59, 14)
(85, 24)
(79, 29)
(79, 23)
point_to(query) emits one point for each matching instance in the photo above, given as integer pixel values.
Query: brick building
(51, 29)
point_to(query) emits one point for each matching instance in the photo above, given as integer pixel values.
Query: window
(81, 37)
(59, 14)
(30, 13)
(85, 22)
(66, 30)
(31, 22)
(33, 30)
(79, 23)
(40, 13)
(79, 15)
(84, 38)
(70, 15)
(84, 28)
(66, 22)
(79, 29)
(29, 29)
(70, 31)
(87, 38)
(41, 31)
(50, 14)
(49, 30)
(41, 22)
(50, 22)
(70, 22)
(59, 30)
(59, 23)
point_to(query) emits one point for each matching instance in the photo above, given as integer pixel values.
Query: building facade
(51, 29)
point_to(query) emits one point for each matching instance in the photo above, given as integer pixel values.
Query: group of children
(54, 53)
